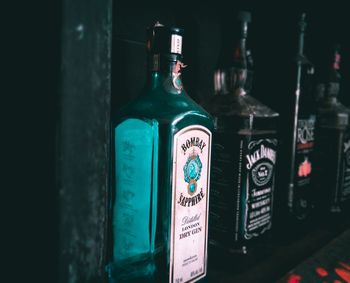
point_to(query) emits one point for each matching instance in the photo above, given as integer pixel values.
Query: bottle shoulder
(245, 113)
(332, 114)
(166, 108)
(335, 107)
(243, 106)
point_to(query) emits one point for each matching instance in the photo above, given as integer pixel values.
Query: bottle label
(259, 161)
(346, 168)
(303, 164)
(190, 199)
(176, 44)
(243, 175)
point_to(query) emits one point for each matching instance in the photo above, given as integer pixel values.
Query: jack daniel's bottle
(332, 176)
(244, 152)
(300, 199)
(161, 168)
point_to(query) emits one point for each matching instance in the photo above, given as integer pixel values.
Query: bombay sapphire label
(190, 197)
(192, 172)
(257, 190)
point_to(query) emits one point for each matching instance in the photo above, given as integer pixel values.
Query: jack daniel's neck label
(190, 196)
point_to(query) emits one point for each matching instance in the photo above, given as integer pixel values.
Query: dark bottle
(300, 195)
(244, 152)
(161, 169)
(250, 72)
(332, 176)
(319, 94)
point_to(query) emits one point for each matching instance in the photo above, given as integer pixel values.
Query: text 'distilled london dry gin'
(161, 166)
(244, 152)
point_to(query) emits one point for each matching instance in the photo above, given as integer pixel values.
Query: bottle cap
(331, 72)
(302, 22)
(334, 74)
(336, 58)
(244, 16)
(164, 40)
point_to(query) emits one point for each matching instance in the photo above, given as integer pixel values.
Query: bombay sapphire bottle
(300, 195)
(161, 168)
(244, 152)
(332, 174)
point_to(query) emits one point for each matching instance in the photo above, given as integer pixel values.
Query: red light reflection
(345, 265)
(294, 278)
(321, 272)
(344, 274)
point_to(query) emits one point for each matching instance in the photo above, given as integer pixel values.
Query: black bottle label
(242, 184)
(304, 149)
(259, 158)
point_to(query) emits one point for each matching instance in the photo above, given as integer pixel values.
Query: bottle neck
(301, 44)
(302, 26)
(165, 71)
(240, 56)
(327, 93)
(332, 90)
(231, 79)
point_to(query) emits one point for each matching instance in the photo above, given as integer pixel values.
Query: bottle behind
(161, 170)
(296, 198)
(332, 175)
(244, 155)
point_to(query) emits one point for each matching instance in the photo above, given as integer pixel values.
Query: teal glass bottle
(244, 153)
(161, 170)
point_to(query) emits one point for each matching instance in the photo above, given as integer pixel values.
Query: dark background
(33, 41)
(272, 38)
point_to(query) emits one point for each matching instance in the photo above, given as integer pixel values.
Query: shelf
(282, 258)
(331, 264)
